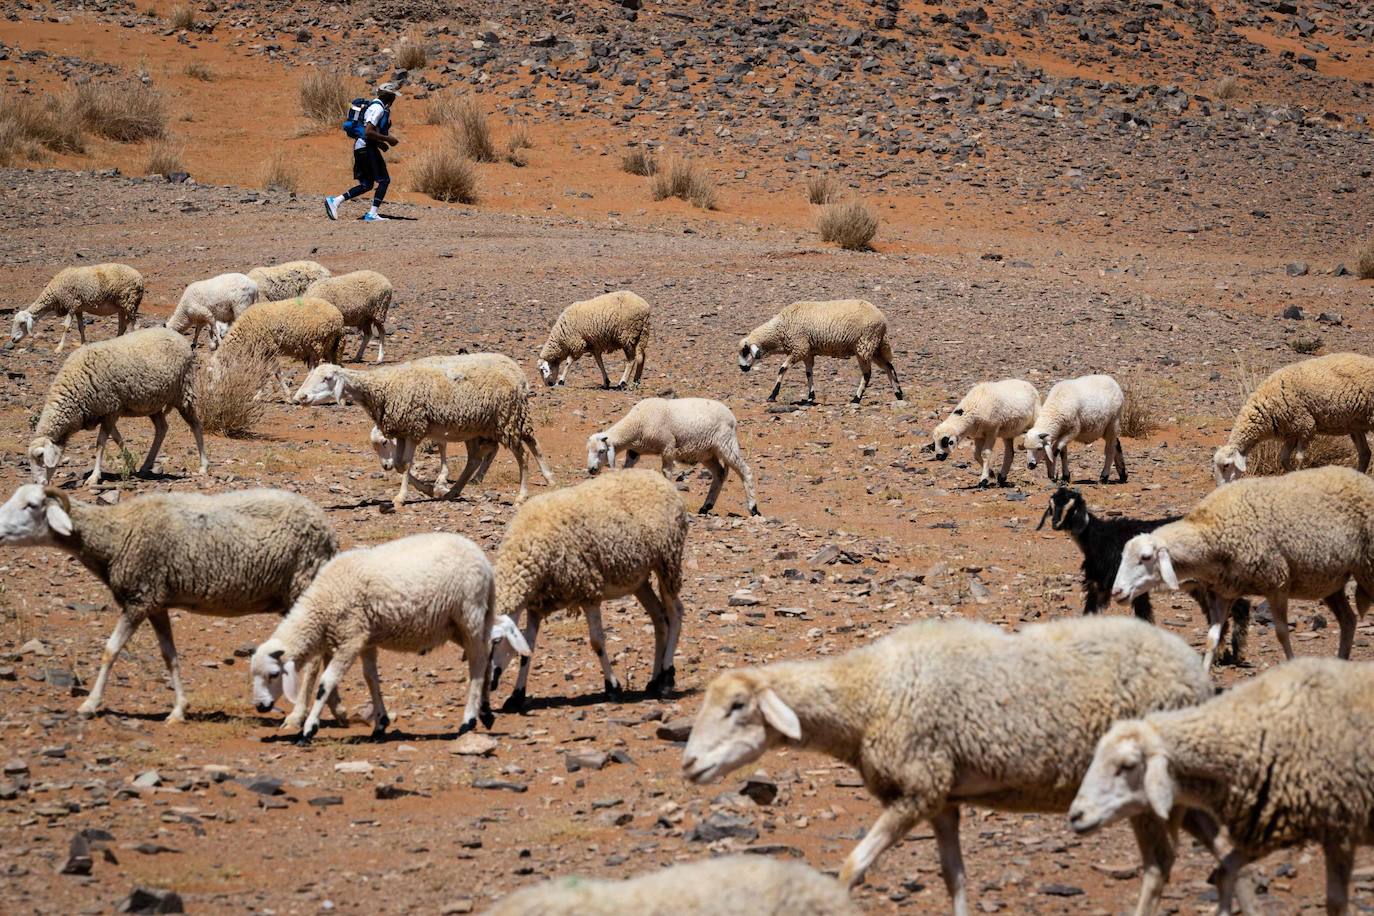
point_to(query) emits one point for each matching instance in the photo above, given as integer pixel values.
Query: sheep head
(740, 718)
(1038, 447)
(600, 453)
(1129, 775)
(945, 437)
(749, 353)
(44, 457)
(324, 385)
(1145, 563)
(273, 674)
(22, 327)
(1227, 464)
(34, 515)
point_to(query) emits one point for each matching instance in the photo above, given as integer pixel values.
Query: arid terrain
(1060, 192)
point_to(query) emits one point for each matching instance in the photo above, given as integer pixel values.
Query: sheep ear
(290, 681)
(928, 447)
(779, 715)
(58, 519)
(505, 628)
(338, 388)
(1159, 785)
(278, 654)
(51, 455)
(1239, 462)
(1166, 568)
(610, 455)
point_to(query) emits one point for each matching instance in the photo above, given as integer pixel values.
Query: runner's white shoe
(331, 207)
(374, 218)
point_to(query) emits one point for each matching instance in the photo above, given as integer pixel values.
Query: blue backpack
(353, 123)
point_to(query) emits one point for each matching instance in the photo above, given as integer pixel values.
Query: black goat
(1102, 540)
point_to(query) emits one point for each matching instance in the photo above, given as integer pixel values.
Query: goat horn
(54, 493)
(1048, 510)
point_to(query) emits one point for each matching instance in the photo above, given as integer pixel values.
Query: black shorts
(369, 166)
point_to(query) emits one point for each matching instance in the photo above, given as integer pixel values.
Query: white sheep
(363, 297)
(690, 430)
(99, 289)
(1330, 395)
(990, 411)
(409, 595)
(944, 713)
(613, 321)
(747, 885)
(1280, 760)
(286, 281)
(598, 541)
(247, 552)
(212, 304)
(310, 330)
(1303, 535)
(144, 374)
(843, 328)
(1078, 410)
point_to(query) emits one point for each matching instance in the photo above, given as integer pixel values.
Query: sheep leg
(1227, 874)
(1157, 843)
(159, 421)
(1120, 461)
(659, 616)
(188, 415)
(441, 478)
(1064, 463)
(717, 480)
(668, 466)
(865, 375)
(307, 677)
(1362, 450)
(533, 446)
(329, 682)
(982, 450)
(128, 621)
(809, 363)
(405, 454)
(1142, 608)
(894, 823)
(475, 457)
(1286, 456)
(100, 438)
(380, 720)
(1204, 829)
(641, 351)
(600, 364)
(733, 460)
(629, 364)
(516, 701)
(777, 386)
(596, 636)
(479, 695)
(674, 614)
(162, 626)
(1340, 862)
(124, 323)
(523, 464)
(1278, 609)
(1008, 452)
(1345, 620)
(195, 334)
(66, 329)
(1108, 454)
(946, 825)
(80, 320)
(381, 341)
(1217, 609)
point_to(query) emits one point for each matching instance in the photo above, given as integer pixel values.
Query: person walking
(369, 166)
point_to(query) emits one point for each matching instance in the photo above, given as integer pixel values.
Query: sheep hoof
(670, 676)
(854, 400)
(488, 719)
(984, 483)
(495, 677)
(754, 511)
(621, 386)
(515, 702)
(1102, 479)
(900, 396)
(705, 509)
(86, 710)
(771, 398)
(613, 692)
(1002, 480)
(1123, 478)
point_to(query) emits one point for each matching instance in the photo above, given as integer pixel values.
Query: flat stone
(760, 789)
(586, 760)
(147, 779)
(78, 860)
(353, 766)
(475, 745)
(676, 730)
(1061, 890)
(721, 825)
(325, 801)
(500, 784)
(263, 785)
(151, 900)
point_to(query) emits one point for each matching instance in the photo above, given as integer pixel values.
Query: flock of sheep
(1102, 718)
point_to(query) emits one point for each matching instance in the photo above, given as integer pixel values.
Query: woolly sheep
(363, 297)
(211, 304)
(746, 885)
(310, 330)
(409, 595)
(99, 289)
(1280, 760)
(600, 540)
(842, 328)
(943, 713)
(990, 411)
(248, 552)
(1331, 395)
(480, 397)
(286, 281)
(143, 374)
(1303, 535)
(690, 430)
(1078, 410)
(614, 321)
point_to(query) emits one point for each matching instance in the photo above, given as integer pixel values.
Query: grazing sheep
(1078, 410)
(213, 303)
(310, 330)
(1303, 535)
(143, 374)
(1330, 395)
(728, 886)
(286, 281)
(409, 595)
(1101, 541)
(842, 328)
(614, 321)
(100, 289)
(690, 430)
(363, 297)
(1280, 760)
(247, 552)
(990, 411)
(944, 713)
(600, 540)
(459, 399)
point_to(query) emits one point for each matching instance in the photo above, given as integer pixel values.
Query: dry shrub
(1228, 87)
(822, 189)
(471, 132)
(128, 112)
(683, 179)
(182, 17)
(227, 389)
(30, 127)
(411, 53)
(639, 161)
(1263, 459)
(517, 141)
(325, 95)
(850, 224)
(198, 71)
(280, 173)
(1364, 261)
(445, 174)
(165, 157)
(1305, 343)
(443, 108)
(1140, 412)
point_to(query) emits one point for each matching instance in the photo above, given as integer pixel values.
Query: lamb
(286, 281)
(990, 411)
(1280, 760)
(1078, 410)
(597, 541)
(99, 289)
(1101, 541)
(409, 595)
(842, 328)
(613, 321)
(943, 713)
(728, 886)
(213, 303)
(363, 297)
(1330, 395)
(143, 374)
(247, 552)
(310, 330)
(690, 430)
(485, 397)
(1301, 536)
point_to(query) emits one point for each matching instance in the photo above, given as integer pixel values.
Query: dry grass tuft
(444, 173)
(325, 96)
(1364, 261)
(198, 71)
(1228, 87)
(1305, 343)
(279, 172)
(165, 157)
(639, 161)
(684, 179)
(471, 131)
(1263, 460)
(182, 17)
(1140, 413)
(517, 141)
(851, 224)
(443, 108)
(227, 389)
(411, 53)
(128, 112)
(32, 127)
(822, 189)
